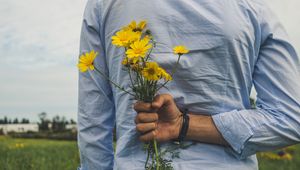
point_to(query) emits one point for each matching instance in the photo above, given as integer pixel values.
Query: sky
(39, 42)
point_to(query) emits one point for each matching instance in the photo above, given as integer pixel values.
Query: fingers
(146, 117)
(146, 127)
(148, 136)
(157, 103)
(146, 124)
(142, 107)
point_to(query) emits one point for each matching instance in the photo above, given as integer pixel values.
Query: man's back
(224, 38)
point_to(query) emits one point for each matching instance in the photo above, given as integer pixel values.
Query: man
(233, 45)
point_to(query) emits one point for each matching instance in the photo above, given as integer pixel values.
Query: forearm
(254, 130)
(203, 129)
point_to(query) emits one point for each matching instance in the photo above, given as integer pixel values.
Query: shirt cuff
(234, 130)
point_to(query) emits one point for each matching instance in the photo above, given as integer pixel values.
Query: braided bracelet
(184, 126)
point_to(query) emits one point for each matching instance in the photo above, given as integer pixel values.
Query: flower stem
(175, 68)
(172, 73)
(148, 154)
(156, 155)
(121, 88)
(148, 55)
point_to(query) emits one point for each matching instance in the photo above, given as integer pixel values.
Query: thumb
(161, 100)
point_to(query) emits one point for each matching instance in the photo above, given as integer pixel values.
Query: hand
(160, 120)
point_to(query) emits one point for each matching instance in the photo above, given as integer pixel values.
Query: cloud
(37, 33)
(39, 43)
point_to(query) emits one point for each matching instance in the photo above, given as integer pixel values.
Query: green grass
(41, 154)
(294, 164)
(37, 154)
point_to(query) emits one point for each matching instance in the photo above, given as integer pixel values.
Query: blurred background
(39, 44)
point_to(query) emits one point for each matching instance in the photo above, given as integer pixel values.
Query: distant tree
(72, 121)
(16, 121)
(9, 121)
(43, 125)
(42, 116)
(25, 121)
(58, 123)
(1, 121)
(5, 121)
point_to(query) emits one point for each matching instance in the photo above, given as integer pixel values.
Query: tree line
(56, 124)
(5, 120)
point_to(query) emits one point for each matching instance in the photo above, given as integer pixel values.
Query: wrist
(177, 127)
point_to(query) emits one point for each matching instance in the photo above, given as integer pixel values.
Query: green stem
(153, 162)
(148, 55)
(132, 84)
(121, 88)
(148, 154)
(156, 155)
(172, 73)
(175, 68)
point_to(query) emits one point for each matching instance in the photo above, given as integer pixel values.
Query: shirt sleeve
(96, 116)
(275, 122)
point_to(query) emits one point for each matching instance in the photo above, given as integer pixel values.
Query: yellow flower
(148, 37)
(129, 61)
(86, 61)
(125, 61)
(165, 75)
(136, 27)
(287, 156)
(123, 38)
(134, 60)
(132, 63)
(180, 50)
(152, 71)
(138, 48)
(276, 156)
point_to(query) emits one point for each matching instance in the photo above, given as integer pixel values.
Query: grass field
(40, 154)
(37, 154)
(293, 164)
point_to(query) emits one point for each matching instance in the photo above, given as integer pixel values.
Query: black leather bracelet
(184, 126)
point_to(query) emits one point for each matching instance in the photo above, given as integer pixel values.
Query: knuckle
(139, 118)
(136, 120)
(157, 97)
(135, 106)
(139, 127)
(147, 106)
(154, 125)
(154, 133)
(155, 116)
(169, 97)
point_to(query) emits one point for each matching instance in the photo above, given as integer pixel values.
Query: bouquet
(146, 76)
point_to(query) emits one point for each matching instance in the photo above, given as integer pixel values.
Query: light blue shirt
(234, 44)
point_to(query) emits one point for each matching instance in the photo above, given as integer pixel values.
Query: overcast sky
(39, 43)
